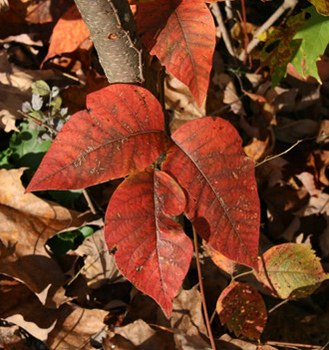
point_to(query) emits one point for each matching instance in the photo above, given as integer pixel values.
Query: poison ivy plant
(199, 171)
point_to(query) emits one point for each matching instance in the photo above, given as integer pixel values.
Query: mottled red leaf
(208, 162)
(291, 271)
(120, 133)
(181, 33)
(242, 309)
(150, 248)
(69, 33)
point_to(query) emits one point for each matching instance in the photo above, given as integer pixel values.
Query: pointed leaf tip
(208, 162)
(184, 43)
(120, 133)
(151, 249)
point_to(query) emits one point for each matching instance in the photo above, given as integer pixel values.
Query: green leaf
(291, 271)
(314, 40)
(40, 88)
(26, 150)
(65, 241)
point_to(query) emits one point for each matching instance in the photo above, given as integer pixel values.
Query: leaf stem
(243, 274)
(204, 304)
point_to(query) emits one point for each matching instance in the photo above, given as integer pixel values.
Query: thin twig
(287, 4)
(89, 202)
(246, 39)
(269, 158)
(38, 121)
(226, 37)
(293, 345)
(278, 305)
(204, 304)
(228, 9)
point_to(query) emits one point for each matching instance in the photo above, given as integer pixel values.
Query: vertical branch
(115, 36)
(204, 304)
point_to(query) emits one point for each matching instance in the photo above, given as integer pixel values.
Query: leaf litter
(79, 298)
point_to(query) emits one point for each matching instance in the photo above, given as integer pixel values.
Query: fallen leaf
(68, 34)
(26, 224)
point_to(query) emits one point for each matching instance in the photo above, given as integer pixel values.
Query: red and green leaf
(207, 160)
(290, 270)
(242, 309)
(120, 133)
(181, 33)
(151, 249)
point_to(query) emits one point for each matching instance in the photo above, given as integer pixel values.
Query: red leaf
(242, 309)
(151, 249)
(222, 202)
(69, 33)
(181, 33)
(120, 133)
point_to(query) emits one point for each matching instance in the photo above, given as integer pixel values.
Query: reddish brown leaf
(181, 33)
(208, 162)
(291, 270)
(224, 263)
(68, 34)
(242, 309)
(151, 249)
(120, 133)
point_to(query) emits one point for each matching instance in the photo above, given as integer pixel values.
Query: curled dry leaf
(75, 326)
(26, 223)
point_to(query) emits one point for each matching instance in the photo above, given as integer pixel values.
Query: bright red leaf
(69, 33)
(150, 248)
(181, 33)
(242, 309)
(208, 162)
(120, 133)
(291, 270)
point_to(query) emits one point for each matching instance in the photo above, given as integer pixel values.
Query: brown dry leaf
(141, 335)
(99, 264)
(187, 314)
(308, 182)
(180, 101)
(15, 337)
(257, 149)
(20, 305)
(75, 326)
(225, 83)
(291, 131)
(26, 223)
